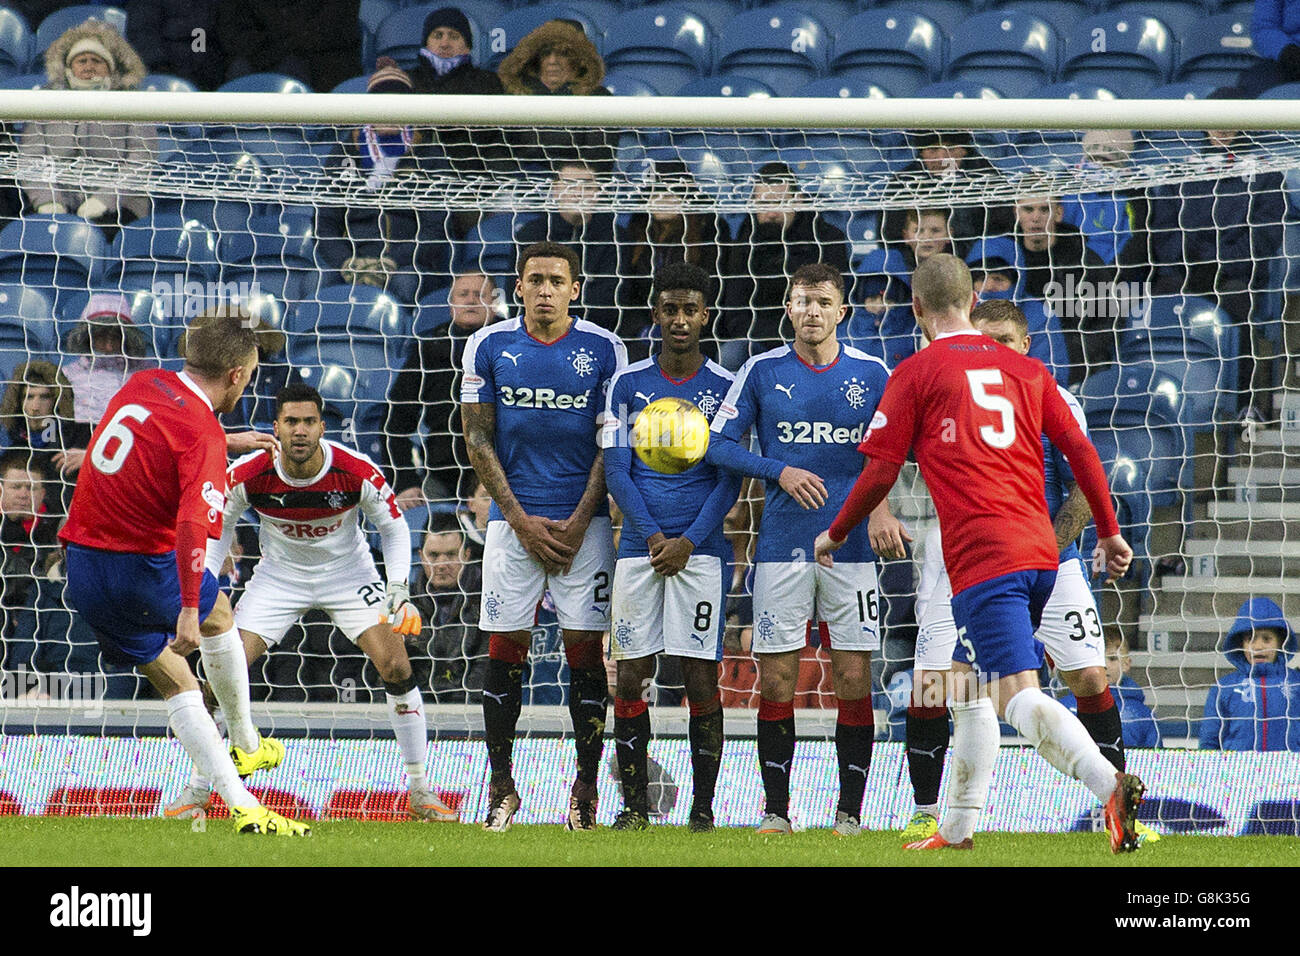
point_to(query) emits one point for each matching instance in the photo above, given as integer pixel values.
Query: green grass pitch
(73, 841)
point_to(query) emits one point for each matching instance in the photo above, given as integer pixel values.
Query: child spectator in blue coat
(1258, 706)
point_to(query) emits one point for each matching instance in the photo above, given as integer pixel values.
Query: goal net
(369, 236)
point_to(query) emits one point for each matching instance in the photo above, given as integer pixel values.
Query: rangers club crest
(623, 633)
(707, 403)
(766, 627)
(583, 362)
(335, 499)
(855, 393)
(492, 605)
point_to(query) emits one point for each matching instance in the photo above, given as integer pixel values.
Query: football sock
(855, 729)
(226, 667)
(705, 733)
(927, 747)
(1061, 740)
(197, 733)
(406, 714)
(502, 696)
(776, 753)
(588, 689)
(198, 781)
(975, 740)
(631, 739)
(1100, 717)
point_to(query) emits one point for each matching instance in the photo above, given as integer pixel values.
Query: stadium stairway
(1241, 543)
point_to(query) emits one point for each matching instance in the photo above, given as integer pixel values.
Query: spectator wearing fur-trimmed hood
(555, 59)
(90, 56)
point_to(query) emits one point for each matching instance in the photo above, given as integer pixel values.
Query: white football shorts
(788, 595)
(276, 598)
(682, 615)
(514, 582)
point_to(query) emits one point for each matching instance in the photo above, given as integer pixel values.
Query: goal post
(348, 256)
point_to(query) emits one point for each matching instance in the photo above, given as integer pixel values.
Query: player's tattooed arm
(572, 530)
(536, 534)
(1072, 517)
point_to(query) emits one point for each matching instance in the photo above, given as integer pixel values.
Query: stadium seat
(161, 249)
(166, 83)
(265, 83)
(15, 42)
(1217, 51)
(1184, 91)
(357, 84)
(662, 45)
(1063, 15)
(959, 90)
(1012, 48)
(834, 87)
(1072, 90)
(727, 84)
(900, 50)
(277, 254)
(277, 149)
(630, 84)
(371, 14)
(1194, 341)
(513, 25)
(784, 46)
(599, 13)
(714, 12)
(1181, 18)
(1139, 54)
(23, 81)
(1241, 9)
(60, 256)
(27, 329)
(946, 14)
(60, 21)
(490, 245)
(356, 326)
(1145, 408)
(826, 12)
(356, 402)
(432, 313)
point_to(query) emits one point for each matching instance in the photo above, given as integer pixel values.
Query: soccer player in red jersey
(148, 498)
(972, 411)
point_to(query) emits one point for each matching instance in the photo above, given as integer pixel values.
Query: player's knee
(701, 685)
(634, 678)
(584, 653)
(220, 619)
(1085, 682)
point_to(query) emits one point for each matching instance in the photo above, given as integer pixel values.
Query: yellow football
(670, 435)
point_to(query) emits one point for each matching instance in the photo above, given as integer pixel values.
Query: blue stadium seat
(27, 329)
(1012, 48)
(599, 13)
(1184, 91)
(1145, 407)
(359, 326)
(490, 245)
(947, 14)
(1072, 90)
(1063, 15)
(60, 256)
(513, 25)
(371, 14)
(1132, 487)
(60, 21)
(278, 254)
(1196, 343)
(24, 81)
(784, 46)
(15, 42)
(826, 12)
(277, 149)
(1182, 19)
(715, 12)
(356, 84)
(398, 35)
(161, 248)
(265, 83)
(356, 402)
(432, 313)
(834, 87)
(622, 83)
(1241, 9)
(959, 90)
(663, 45)
(1217, 51)
(1139, 54)
(166, 83)
(727, 84)
(900, 50)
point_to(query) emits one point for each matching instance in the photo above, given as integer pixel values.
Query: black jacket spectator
(164, 33)
(27, 533)
(449, 657)
(317, 41)
(429, 387)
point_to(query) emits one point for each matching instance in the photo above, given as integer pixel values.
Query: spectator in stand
(1112, 224)
(1275, 36)
(178, 37)
(668, 231)
(589, 233)
(27, 537)
(398, 249)
(942, 157)
(557, 59)
(772, 243)
(450, 655)
(426, 390)
(446, 67)
(91, 56)
(37, 416)
(1140, 727)
(316, 41)
(109, 349)
(1258, 707)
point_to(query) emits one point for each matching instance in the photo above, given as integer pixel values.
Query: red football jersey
(157, 458)
(972, 411)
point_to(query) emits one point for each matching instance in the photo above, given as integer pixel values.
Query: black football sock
(855, 731)
(502, 695)
(705, 731)
(631, 741)
(587, 692)
(927, 748)
(1100, 717)
(776, 753)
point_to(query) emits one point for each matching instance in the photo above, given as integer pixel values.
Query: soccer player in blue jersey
(1070, 626)
(531, 397)
(809, 404)
(670, 579)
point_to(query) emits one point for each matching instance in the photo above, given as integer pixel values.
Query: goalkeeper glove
(399, 611)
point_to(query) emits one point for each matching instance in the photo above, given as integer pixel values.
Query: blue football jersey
(811, 418)
(674, 502)
(1057, 474)
(548, 398)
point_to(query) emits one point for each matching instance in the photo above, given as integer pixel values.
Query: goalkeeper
(314, 555)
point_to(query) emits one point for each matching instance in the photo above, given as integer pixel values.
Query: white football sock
(198, 781)
(198, 735)
(226, 667)
(406, 714)
(1061, 740)
(975, 740)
